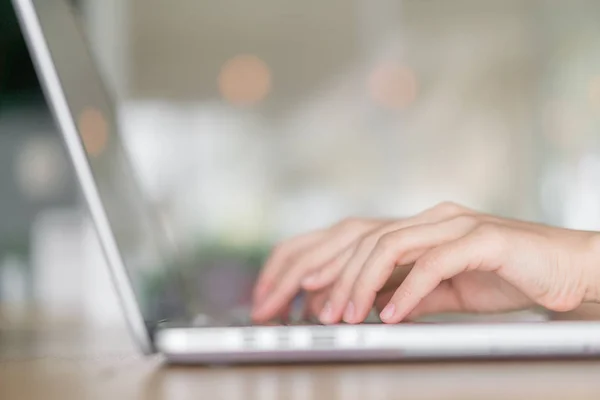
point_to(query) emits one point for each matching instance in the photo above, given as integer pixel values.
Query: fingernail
(326, 314)
(388, 312)
(349, 313)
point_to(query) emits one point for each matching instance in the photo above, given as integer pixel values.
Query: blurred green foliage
(172, 290)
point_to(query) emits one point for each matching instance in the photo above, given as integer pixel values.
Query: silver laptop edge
(381, 342)
(291, 343)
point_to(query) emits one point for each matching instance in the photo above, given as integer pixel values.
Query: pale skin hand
(446, 259)
(290, 262)
(313, 261)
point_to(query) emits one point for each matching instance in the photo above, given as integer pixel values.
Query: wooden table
(46, 360)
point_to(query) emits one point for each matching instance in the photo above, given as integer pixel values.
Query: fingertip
(326, 315)
(333, 312)
(261, 311)
(388, 313)
(360, 309)
(265, 314)
(350, 313)
(353, 314)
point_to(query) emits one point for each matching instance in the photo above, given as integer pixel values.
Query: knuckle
(431, 264)
(368, 241)
(386, 242)
(428, 265)
(467, 220)
(390, 242)
(376, 235)
(449, 208)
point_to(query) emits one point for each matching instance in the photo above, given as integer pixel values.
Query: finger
(287, 287)
(444, 211)
(279, 259)
(287, 284)
(387, 291)
(326, 275)
(479, 250)
(399, 248)
(338, 303)
(329, 273)
(442, 299)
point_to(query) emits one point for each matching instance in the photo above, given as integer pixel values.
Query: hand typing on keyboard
(445, 259)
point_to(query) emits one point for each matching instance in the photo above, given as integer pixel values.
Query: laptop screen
(152, 264)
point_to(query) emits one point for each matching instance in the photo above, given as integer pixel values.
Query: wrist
(592, 273)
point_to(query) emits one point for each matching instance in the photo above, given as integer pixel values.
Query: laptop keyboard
(241, 318)
(245, 320)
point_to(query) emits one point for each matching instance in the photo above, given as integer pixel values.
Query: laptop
(164, 294)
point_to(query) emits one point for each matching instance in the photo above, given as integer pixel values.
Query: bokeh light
(245, 80)
(94, 131)
(392, 85)
(40, 169)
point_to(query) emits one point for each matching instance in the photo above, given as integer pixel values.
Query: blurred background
(249, 122)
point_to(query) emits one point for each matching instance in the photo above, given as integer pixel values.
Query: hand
(452, 259)
(314, 261)
(291, 261)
